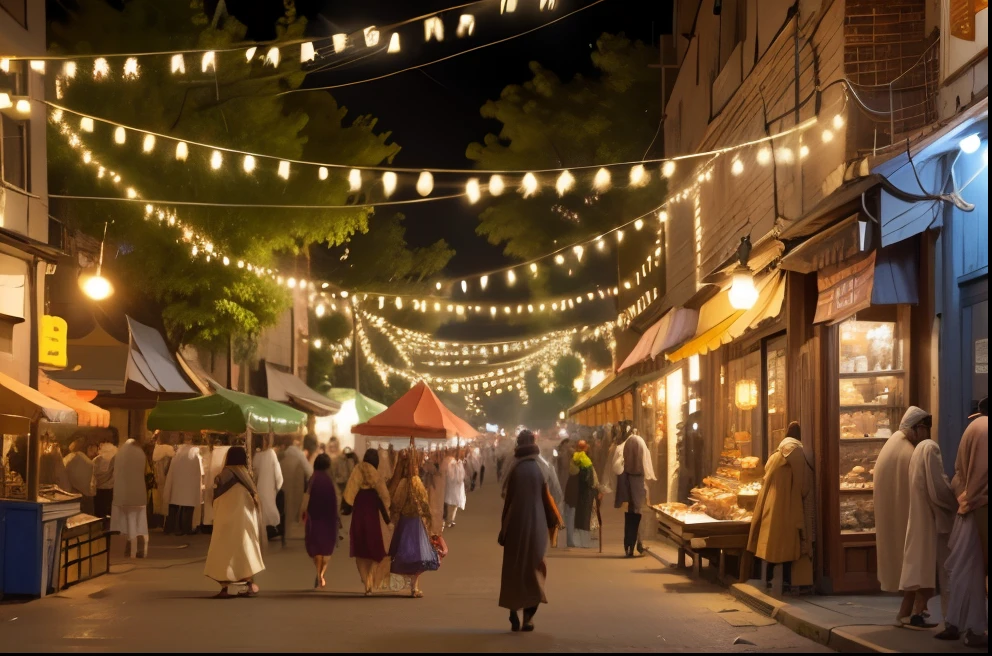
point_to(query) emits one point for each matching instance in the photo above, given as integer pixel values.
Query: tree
(235, 106)
(547, 123)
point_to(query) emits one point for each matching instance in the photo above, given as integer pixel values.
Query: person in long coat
(128, 514)
(235, 552)
(367, 500)
(891, 499)
(778, 520)
(632, 460)
(530, 520)
(581, 492)
(268, 479)
(932, 506)
(320, 517)
(183, 491)
(296, 471)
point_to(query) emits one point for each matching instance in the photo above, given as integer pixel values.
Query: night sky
(433, 112)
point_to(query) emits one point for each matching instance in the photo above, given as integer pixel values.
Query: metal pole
(354, 346)
(34, 436)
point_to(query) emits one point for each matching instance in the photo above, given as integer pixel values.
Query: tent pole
(34, 461)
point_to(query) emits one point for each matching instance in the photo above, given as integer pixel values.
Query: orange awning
(418, 413)
(87, 413)
(21, 404)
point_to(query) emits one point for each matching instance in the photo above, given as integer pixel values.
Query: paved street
(597, 604)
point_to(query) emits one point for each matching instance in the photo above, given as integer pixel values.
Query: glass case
(872, 400)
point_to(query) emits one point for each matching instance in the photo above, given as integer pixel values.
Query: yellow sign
(52, 346)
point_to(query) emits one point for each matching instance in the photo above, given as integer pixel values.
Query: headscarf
(912, 418)
(372, 457)
(236, 465)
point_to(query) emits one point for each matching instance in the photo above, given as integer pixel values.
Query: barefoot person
(529, 520)
(235, 555)
(320, 517)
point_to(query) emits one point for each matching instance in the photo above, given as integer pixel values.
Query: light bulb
(743, 294)
(249, 163)
(307, 52)
(131, 68)
(354, 180)
(827, 136)
(472, 190)
(208, 62)
(529, 185)
(638, 176)
(466, 25)
(668, 169)
(283, 170)
(394, 43)
(483, 281)
(433, 29)
(970, 144)
(371, 36)
(100, 68)
(638, 224)
(496, 185)
(737, 167)
(148, 144)
(322, 173)
(272, 56)
(464, 286)
(579, 251)
(317, 343)
(340, 42)
(97, 287)
(601, 182)
(23, 106)
(533, 268)
(120, 136)
(511, 277)
(838, 121)
(564, 183)
(216, 160)
(250, 54)
(86, 124)
(764, 156)
(425, 183)
(389, 181)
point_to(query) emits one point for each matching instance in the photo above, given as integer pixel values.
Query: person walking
(367, 499)
(320, 517)
(183, 491)
(581, 492)
(103, 477)
(79, 468)
(632, 460)
(891, 498)
(268, 479)
(454, 489)
(529, 522)
(129, 515)
(968, 562)
(932, 506)
(296, 471)
(412, 550)
(235, 553)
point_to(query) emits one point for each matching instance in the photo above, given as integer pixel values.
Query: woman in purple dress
(366, 497)
(320, 516)
(411, 550)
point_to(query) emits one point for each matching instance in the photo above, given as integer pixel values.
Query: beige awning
(719, 323)
(287, 388)
(21, 404)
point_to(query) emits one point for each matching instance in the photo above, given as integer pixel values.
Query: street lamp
(96, 286)
(743, 294)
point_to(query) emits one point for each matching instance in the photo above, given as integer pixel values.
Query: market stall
(356, 408)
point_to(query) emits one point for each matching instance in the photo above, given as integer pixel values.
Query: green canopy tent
(226, 411)
(356, 408)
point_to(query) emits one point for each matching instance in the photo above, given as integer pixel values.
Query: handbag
(440, 546)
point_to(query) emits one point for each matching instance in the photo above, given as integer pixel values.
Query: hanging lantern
(746, 395)
(743, 294)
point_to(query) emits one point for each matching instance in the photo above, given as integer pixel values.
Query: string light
(131, 68)
(120, 136)
(322, 173)
(827, 136)
(737, 167)
(340, 42)
(638, 176)
(764, 156)
(86, 124)
(601, 182)
(182, 151)
(565, 183)
(283, 170)
(208, 62)
(148, 144)
(248, 164)
(511, 277)
(101, 69)
(272, 57)
(394, 43)
(466, 25)
(307, 52)
(638, 224)
(838, 121)
(371, 36)
(529, 185)
(496, 185)
(433, 29)
(389, 181)
(354, 180)
(483, 281)
(668, 169)
(216, 160)
(472, 190)
(250, 54)
(69, 69)
(425, 183)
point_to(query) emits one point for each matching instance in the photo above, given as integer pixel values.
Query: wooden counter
(701, 536)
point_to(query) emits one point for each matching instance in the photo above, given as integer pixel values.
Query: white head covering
(912, 417)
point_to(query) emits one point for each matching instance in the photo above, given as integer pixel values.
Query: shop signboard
(53, 342)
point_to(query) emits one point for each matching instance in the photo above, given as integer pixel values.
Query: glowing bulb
(827, 136)
(131, 193)
(100, 68)
(307, 52)
(511, 277)
(970, 144)
(601, 182)
(291, 283)
(322, 173)
(216, 160)
(226, 260)
(528, 185)
(638, 224)
(466, 25)
(838, 121)
(23, 106)
(483, 281)
(784, 156)
(340, 42)
(86, 124)
(737, 167)
(120, 136)
(97, 287)
(371, 36)
(559, 259)
(764, 156)
(248, 164)
(149, 208)
(69, 69)
(579, 251)
(354, 180)
(464, 286)
(394, 43)
(399, 303)
(208, 62)
(283, 170)
(148, 144)
(496, 185)
(389, 181)
(619, 236)
(472, 190)
(317, 343)
(638, 176)
(663, 216)
(131, 68)
(320, 310)
(433, 29)
(87, 157)
(564, 183)
(507, 6)
(743, 294)
(437, 286)
(272, 57)
(250, 54)
(425, 183)
(533, 268)
(182, 151)
(803, 151)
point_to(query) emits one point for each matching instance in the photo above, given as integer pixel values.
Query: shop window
(872, 403)
(776, 380)
(15, 152)
(16, 9)
(15, 80)
(744, 403)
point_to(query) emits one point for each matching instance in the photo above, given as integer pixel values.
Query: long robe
(235, 552)
(580, 494)
(184, 482)
(161, 459)
(79, 468)
(296, 471)
(268, 478)
(528, 516)
(637, 470)
(778, 519)
(454, 484)
(130, 465)
(891, 497)
(932, 506)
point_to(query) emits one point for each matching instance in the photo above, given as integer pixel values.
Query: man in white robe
(296, 471)
(103, 478)
(129, 516)
(183, 489)
(932, 506)
(454, 490)
(268, 479)
(891, 499)
(79, 467)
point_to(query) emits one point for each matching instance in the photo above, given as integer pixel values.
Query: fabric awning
(21, 404)
(719, 323)
(617, 386)
(678, 325)
(642, 350)
(226, 411)
(418, 413)
(287, 388)
(883, 277)
(365, 407)
(831, 246)
(87, 414)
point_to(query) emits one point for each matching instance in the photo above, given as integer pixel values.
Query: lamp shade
(743, 293)
(746, 394)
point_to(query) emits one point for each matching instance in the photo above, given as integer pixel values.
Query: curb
(802, 623)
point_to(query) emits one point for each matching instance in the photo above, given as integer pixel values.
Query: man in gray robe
(530, 518)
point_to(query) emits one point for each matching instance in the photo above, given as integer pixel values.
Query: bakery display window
(776, 381)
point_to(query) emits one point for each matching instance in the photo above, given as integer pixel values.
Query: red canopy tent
(417, 414)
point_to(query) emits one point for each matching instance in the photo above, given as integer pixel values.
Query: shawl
(520, 454)
(411, 500)
(971, 467)
(233, 475)
(365, 477)
(637, 457)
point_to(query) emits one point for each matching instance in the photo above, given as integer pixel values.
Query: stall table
(695, 533)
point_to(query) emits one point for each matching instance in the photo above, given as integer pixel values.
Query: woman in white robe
(454, 489)
(268, 478)
(235, 553)
(183, 489)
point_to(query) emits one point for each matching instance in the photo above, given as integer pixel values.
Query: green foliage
(547, 123)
